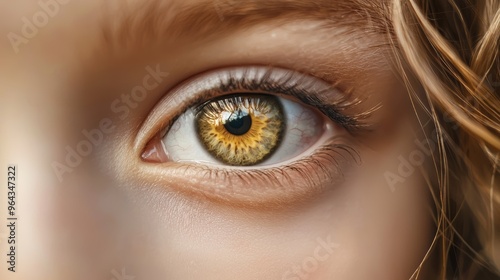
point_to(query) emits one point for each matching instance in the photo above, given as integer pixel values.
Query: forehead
(123, 20)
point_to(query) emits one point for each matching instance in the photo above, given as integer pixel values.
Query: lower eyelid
(261, 188)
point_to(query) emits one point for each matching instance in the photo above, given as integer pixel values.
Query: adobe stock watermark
(121, 106)
(310, 264)
(426, 147)
(48, 9)
(407, 165)
(222, 5)
(122, 275)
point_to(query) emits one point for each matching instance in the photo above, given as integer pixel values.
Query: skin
(115, 211)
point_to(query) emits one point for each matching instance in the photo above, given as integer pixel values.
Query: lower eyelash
(298, 180)
(330, 159)
(325, 161)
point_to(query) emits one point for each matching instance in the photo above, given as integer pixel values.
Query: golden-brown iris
(241, 130)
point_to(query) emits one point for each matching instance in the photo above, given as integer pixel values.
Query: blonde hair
(452, 47)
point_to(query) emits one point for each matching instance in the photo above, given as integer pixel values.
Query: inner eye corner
(153, 149)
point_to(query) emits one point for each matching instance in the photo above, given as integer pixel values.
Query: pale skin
(113, 210)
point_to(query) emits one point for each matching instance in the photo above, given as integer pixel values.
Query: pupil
(239, 123)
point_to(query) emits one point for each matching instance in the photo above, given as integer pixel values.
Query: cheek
(376, 225)
(364, 229)
(387, 229)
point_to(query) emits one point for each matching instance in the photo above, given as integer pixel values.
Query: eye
(250, 121)
(244, 130)
(252, 135)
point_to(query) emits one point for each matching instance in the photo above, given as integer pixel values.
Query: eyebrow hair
(147, 22)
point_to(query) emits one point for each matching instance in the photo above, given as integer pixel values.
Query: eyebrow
(168, 20)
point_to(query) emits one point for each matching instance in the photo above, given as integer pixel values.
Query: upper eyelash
(299, 89)
(294, 84)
